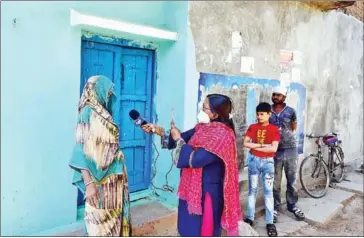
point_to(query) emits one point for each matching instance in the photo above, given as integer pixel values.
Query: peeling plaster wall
(332, 48)
(246, 93)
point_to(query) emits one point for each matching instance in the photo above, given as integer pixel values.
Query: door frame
(131, 44)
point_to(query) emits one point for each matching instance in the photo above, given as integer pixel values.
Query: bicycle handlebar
(313, 136)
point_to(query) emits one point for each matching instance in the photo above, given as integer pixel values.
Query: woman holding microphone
(207, 156)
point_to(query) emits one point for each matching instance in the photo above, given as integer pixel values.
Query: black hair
(222, 106)
(264, 107)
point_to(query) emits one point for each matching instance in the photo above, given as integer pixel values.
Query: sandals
(298, 214)
(272, 230)
(275, 216)
(250, 222)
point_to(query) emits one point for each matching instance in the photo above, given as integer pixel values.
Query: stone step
(153, 219)
(321, 211)
(317, 212)
(355, 184)
(148, 219)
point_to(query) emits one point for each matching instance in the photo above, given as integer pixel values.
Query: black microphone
(138, 120)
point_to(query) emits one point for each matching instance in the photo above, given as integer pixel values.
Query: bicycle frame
(319, 163)
(319, 156)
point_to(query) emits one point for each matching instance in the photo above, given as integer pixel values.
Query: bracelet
(158, 130)
(180, 142)
(176, 152)
(89, 183)
(190, 159)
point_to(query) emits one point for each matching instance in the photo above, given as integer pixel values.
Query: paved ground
(339, 213)
(348, 223)
(286, 225)
(355, 184)
(321, 211)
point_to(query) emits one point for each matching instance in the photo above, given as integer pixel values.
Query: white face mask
(203, 117)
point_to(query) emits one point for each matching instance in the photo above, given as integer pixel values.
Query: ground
(347, 223)
(339, 213)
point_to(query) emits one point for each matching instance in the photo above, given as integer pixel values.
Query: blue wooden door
(131, 70)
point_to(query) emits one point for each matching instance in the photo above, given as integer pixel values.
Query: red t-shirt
(263, 135)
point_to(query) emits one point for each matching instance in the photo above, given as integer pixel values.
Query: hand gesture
(175, 132)
(92, 195)
(148, 128)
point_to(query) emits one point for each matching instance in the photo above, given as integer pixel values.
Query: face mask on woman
(203, 117)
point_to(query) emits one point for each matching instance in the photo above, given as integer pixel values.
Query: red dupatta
(218, 139)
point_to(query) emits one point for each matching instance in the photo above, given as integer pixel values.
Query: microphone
(138, 120)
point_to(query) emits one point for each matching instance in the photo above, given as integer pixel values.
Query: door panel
(131, 71)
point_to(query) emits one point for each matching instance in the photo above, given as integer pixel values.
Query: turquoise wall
(170, 93)
(39, 95)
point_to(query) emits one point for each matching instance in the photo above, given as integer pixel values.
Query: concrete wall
(332, 48)
(170, 95)
(39, 96)
(246, 93)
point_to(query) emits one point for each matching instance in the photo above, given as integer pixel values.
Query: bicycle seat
(330, 139)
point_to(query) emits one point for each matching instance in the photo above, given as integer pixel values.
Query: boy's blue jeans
(263, 167)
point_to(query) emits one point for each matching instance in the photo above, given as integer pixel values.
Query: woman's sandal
(298, 214)
(250, 222)
(272, 230)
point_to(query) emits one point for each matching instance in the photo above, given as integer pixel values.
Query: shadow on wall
(246, 94)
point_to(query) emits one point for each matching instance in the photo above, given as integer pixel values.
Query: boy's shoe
(300, 216)
(272, 230)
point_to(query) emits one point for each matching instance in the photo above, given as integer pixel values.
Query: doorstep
(148, 219)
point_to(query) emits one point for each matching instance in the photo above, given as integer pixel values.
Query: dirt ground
(349, 223)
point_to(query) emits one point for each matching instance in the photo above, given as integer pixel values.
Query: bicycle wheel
(337, 165)
(314, 176)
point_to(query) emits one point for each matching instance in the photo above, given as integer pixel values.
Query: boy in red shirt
(262, 139)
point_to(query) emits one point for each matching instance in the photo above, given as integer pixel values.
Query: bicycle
(329, 169)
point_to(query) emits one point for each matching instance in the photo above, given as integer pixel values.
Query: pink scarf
(218, 139)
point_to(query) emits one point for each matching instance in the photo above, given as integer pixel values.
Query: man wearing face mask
(285, 118)
(207, 156)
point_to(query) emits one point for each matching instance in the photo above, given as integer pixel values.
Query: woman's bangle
(158, 130)
(190, 159)
(86, 184)
(176, 152)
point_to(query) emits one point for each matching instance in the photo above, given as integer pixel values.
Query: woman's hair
(222, 106)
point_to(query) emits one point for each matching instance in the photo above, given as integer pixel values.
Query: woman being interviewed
(98, 162)
(208, 191)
